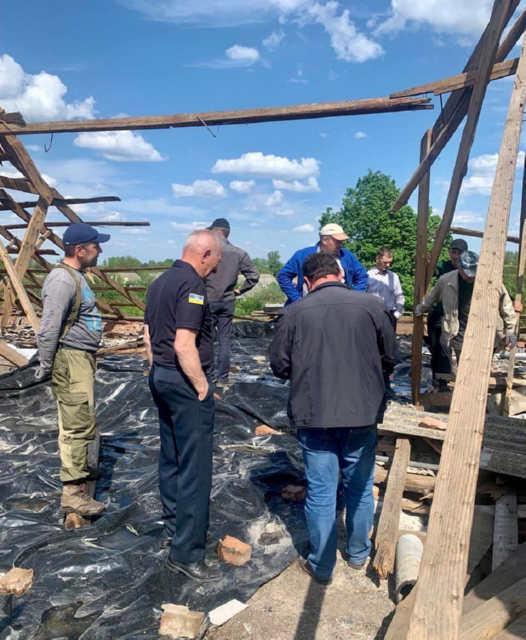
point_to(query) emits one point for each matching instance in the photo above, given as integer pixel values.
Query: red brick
(432, 423)
(233, 551)
(178, 621)
(16, 581)
(264, 430)
(293, 493)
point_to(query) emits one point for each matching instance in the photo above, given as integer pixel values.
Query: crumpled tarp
(108, 580)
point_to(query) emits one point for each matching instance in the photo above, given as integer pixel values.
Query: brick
(16, 581)
(293, 493)
(233, 551)
(264, 430)
(178, 621)
(432, 423)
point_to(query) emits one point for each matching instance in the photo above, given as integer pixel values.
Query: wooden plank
(494, 615)
(12, 355)
(19, 289)
(23, 162)
(461, 231)
(457, 105)
(18, 184)
(514, 631)
(420, 272)
(442, 572)
(389, 523)
(242, 116)
(95, 223)
(413, 482)
(468, 134)
(506, 529)
(33, 203)
(459, 81)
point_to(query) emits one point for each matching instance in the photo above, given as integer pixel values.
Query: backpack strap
(73, 314)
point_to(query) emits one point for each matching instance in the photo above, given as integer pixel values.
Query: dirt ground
(294, 607)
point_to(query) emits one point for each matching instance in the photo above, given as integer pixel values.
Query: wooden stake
(19, 289)
(420, 273)
(442, 573)
(12, 355)
(505, 529)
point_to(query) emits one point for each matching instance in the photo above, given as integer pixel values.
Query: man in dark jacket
(334, 345)
(332, 237)
(221, 289)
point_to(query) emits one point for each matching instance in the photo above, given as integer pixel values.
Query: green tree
(274, 262)
(367, 218)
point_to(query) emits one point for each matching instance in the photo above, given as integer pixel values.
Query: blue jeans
(326, 452)
(222, 314)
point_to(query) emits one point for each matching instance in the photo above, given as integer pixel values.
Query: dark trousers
(185, 461)
(222, 314)
(440, 361)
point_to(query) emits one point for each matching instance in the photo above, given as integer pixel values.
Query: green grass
(270, 294)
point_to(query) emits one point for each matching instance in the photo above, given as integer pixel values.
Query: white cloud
(348, 43)
(114, 216)
(199, 189)
(467, 217)
(242, 186)
(272, 41)
(39, 96)
(274, 199)
(285, 212)
(482, 172)
(359, 135)
(258, 164)
(242, 55)
(311, 184)
(304, 228)
(444, 16)
(122, 146)
(189, 226)
(298, 78)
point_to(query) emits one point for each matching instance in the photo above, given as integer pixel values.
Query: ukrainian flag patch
(195, 298)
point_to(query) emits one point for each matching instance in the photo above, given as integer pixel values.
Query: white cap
(334, 230)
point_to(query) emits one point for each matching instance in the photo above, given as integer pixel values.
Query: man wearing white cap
(332, 237)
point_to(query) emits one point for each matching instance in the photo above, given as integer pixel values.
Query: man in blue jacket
(331, 241)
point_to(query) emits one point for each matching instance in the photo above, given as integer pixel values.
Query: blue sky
(272, 181)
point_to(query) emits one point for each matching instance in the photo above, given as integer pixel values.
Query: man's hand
(237, 292)
(518, 306)
(41, 373)
(202, 389)
(511, 340)
(418, 311)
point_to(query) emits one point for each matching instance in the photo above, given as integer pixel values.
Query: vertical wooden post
(420, 272)
(440, 586)
(17, 285)
(506, 400)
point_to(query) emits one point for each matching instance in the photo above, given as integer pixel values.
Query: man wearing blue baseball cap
(70, 333)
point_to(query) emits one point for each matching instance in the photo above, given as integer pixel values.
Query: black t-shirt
(177, 300)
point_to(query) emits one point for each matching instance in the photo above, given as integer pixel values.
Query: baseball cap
(80, 232)
(220, 223)
(334, 230)
(468, 262)
(459, 244)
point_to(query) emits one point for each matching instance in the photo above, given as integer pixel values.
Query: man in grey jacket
(69, 334)
(221, 288)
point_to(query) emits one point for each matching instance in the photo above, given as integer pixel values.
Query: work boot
(75, 498)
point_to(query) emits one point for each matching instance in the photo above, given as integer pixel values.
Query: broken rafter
(33, 203)
(242, 116)
(459, 81)
(94, 224)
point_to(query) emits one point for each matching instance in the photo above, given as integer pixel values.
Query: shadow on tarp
(108, 580)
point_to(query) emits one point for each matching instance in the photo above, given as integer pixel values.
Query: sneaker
(306, 566)
(75, 499)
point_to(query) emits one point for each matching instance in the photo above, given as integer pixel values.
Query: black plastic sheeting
(108, 580)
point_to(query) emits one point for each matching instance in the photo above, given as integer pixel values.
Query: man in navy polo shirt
(178, 338)
(332, 237)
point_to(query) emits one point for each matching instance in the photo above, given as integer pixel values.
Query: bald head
(202, 250)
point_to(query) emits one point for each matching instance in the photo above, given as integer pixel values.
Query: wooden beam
(459, 81)
(242, 116)
(19, 184)
(506, 529)
(473, 233)
(17, 285)
(420, 272)
(389, 523)
(32, 203)
(487, 59)
(95, 223)
(494, 615)
(413, 482)
(514, 631)
(457, 105)
(442, 572)
(12, 355)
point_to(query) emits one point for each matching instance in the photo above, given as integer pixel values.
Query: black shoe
(305, 565)
(196, 570)
(354, 565)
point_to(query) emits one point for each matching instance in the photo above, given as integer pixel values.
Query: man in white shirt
(385, 284)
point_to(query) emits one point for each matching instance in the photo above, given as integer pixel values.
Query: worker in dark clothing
(334, 346)
(221, 288)
(179, 345)
(440, 360)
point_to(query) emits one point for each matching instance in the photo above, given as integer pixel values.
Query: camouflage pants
(72, 385)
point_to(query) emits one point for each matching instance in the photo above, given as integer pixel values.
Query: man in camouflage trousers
(69, 334)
